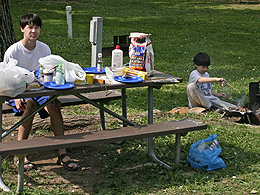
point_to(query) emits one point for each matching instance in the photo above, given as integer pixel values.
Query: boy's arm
(210, 79)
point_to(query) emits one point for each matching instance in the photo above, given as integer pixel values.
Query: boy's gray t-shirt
(204, 87)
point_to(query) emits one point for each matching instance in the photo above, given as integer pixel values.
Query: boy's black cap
(201, 59)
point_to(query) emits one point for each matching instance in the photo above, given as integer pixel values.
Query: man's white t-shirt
(27, 59)
(204, 87)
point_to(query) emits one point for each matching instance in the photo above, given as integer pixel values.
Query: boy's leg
(196, 97)
(222, 104)
(25, 128)
(57, 126)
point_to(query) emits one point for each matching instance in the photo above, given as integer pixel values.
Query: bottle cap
(117, 46)
(100, 55)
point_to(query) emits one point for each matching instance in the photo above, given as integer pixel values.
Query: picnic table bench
(179, 127)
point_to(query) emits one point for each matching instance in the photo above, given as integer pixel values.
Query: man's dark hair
(30, 19)
(201, 59)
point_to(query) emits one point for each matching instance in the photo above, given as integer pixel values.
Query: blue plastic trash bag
(205, 153)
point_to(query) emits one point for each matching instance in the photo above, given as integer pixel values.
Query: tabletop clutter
(56, 73)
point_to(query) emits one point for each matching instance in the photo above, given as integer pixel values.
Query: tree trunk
(7, 34)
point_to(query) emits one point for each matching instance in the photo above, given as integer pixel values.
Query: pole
(96, 28)
(69, 21)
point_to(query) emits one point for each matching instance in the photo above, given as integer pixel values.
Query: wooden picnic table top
(151, 81)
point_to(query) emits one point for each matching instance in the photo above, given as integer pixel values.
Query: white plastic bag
(13, 78)
(141, 53)
(73, 71)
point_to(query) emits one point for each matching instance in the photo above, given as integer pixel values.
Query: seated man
(27, 52)
(199, 86)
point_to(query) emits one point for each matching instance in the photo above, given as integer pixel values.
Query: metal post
(95, 37)
(69, 20)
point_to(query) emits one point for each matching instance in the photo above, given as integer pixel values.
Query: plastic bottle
(99, 62)
(59, 79)
(117, 57)
(40, 75)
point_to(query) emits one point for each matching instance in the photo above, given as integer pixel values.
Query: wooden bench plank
(99, 96)
(105, 136)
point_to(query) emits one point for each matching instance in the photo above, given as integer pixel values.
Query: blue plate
(93, 70)
(128, 79)
(53, 85)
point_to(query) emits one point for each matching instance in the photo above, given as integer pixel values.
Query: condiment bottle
(99, 62)
(117, 57)
(40, 70)
(59, 79)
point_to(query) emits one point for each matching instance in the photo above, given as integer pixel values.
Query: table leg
(150, 139)
(2, 185)
(105, 109)
(102, 117)
(124, 111)
(20, 172)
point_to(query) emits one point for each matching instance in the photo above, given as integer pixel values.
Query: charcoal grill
(254, 103)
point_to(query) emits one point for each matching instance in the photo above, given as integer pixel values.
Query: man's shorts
(38, 100)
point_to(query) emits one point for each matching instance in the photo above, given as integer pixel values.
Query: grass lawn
(229, 32)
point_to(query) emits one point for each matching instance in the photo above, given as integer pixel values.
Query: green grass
(228, 32)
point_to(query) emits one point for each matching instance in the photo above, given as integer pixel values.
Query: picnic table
(156, 81)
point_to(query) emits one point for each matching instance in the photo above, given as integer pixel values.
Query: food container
(47, 75)
(89, 79)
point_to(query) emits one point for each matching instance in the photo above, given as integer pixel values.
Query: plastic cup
(89, 79)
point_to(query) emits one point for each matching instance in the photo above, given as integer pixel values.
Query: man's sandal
(66, 164)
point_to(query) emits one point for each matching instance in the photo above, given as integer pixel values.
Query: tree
(7, 34)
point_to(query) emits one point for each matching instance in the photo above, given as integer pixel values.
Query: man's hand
(20, 104)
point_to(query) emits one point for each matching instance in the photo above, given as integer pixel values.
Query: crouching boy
(199, 86)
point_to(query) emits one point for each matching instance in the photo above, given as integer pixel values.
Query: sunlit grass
(229, 32)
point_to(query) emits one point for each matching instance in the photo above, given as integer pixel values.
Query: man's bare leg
(57, 126)
(25, 128)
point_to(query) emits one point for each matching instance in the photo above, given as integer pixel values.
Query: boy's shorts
(38, 100)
